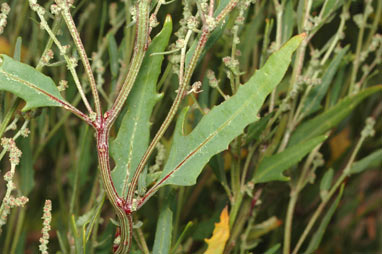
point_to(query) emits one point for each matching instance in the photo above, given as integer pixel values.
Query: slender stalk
(69, 62)
(206, 30)
(85, 60)
(141, 238)
(166, 122)
(123, 212)
(55, 28)
(357, 59)
(141, 45)
(288, 221)
(294, 194)
(8, 117)
(19, 226)
(332, 191)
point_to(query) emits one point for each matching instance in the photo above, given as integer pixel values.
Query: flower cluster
(14, 153)
(5, 9)
(47, 218)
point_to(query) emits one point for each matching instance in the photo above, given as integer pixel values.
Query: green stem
(171, 114)
(81, 50)
(332, 191)
(288, 221)
(8, 117)
(206, 30)
(357, 59)
(123, 213)
(19, 226)
(141, 45)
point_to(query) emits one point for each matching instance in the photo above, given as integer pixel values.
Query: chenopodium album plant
(131, 183)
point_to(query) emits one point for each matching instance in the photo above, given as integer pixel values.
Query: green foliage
(23, 80)
(272, 168)
(330, 118)
(224, 122)
(133, 136)
(226, 107)
(163, 233)
(318, 235)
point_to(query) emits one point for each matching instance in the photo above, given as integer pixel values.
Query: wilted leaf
(339, 144)
(220, 235)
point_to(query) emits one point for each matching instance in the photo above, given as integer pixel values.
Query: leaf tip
(168, 19)
(302, 35)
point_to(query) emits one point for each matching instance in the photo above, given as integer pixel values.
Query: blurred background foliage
(59, 159)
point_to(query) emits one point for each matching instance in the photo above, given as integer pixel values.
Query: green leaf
(224, 122)
(113, 55)
(374, 159)
(133, 136)
(330, 6)
(326, 182)
(26, 167)
(162, 241)
(271, 168)
(288, 21)
(317, 237)
(17, 52)
(318, 92)
(255, 129)
(274, 249)
(330, 118)
(27, 83)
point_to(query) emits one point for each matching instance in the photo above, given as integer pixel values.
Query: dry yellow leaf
(339, 144)
(220, 235)
(6, 48)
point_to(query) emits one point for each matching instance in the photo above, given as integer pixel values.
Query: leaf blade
(133, 135)
(317, 93)
(328, 119)
(374, 158)
(27, 83)
(190, 153)
(271, 168)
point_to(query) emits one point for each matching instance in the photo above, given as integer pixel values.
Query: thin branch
(141, 45)
(70, 64)
(85, 60)
(207, 29)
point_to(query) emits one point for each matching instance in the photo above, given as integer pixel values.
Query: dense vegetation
(194, 126)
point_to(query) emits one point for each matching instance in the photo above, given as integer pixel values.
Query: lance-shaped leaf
(163, 233)
(372, 160)
(271, 168)
(330, 118)
(133, 135)
(29, 84)
(224, 122)
(312, 103)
